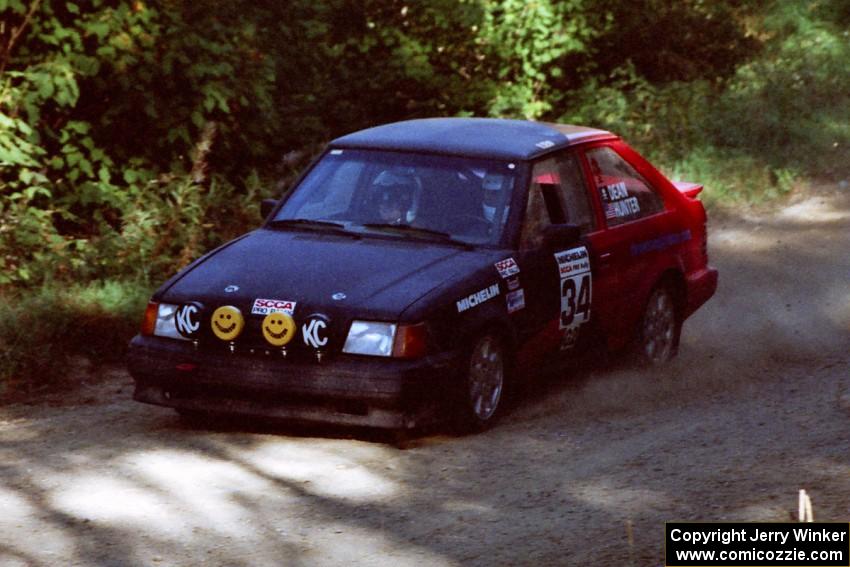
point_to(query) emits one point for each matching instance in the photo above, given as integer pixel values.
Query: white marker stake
(805, 508)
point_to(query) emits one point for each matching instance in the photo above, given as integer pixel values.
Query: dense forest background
(134, 135)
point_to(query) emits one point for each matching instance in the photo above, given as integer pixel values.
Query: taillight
(411, 341)
(149, 320)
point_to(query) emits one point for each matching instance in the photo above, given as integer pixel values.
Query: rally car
(419, 270)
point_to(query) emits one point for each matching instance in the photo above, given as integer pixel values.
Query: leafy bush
(731, 178)
(780, 116)
(791, 106)
(163, 225)
(40, 330)
(127, 127)
(176, 220)
(106, 108)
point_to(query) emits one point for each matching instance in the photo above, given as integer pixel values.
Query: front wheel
(658, 334)
(482, 397)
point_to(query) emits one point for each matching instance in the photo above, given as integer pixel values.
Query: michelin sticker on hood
(477, 298)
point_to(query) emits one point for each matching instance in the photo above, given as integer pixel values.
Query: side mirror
(266, 207)
(561, 235)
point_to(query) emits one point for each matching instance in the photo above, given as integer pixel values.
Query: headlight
(370, 337)
(165, 325)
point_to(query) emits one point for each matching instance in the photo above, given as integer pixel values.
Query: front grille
(253, 349)
(260, 399)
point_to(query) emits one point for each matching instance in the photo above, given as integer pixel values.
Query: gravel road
(586, 470)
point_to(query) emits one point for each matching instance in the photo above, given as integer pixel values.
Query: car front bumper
(342, 389)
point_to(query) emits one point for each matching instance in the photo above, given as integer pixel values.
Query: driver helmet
(395, 195)
(493, 185)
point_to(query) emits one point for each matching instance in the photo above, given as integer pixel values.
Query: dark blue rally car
(419, 270)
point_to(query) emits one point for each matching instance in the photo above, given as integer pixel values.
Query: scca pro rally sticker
(477, 298)
(266, 306)
(507, 267)
(574, 272)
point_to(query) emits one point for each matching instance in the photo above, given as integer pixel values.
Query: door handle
(605, 259)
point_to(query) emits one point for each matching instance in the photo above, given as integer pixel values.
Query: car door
(633, 212)
(556, 276)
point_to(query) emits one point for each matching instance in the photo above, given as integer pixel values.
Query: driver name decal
(477, 298)
(618, 203)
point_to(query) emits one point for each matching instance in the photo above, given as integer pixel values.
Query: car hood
(320, 271)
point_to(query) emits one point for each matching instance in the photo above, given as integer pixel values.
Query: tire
(483, 395)
(659, 328)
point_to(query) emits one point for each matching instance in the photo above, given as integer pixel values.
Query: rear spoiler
(688, 189)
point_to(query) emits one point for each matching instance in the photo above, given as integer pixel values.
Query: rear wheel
(658, 334)
(482, 397)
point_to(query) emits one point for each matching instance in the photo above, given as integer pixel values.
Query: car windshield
(446, 198)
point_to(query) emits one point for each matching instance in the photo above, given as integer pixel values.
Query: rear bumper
(701, 286)
(345, 389)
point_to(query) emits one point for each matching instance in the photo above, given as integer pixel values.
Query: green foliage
(174, 220)
(40, 330)
(128, 127)
(731, 177)
(779, 116)
(795, 97)
(526, 42)
(668, 41)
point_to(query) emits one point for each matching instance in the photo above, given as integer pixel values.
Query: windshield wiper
(306, 223)
(417, 230)
(314, 224)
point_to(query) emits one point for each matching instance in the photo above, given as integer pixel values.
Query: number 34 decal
(576, 284)
(575, 300)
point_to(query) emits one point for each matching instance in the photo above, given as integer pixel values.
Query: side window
(573, 192)
(625, 194)
(542, 209)
(557, 195)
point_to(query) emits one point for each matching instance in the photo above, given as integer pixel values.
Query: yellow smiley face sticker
(278, 328)
(227, 322)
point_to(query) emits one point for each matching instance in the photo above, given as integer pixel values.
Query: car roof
(474, 137)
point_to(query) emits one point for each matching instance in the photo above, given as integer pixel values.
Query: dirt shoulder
(587, 468)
